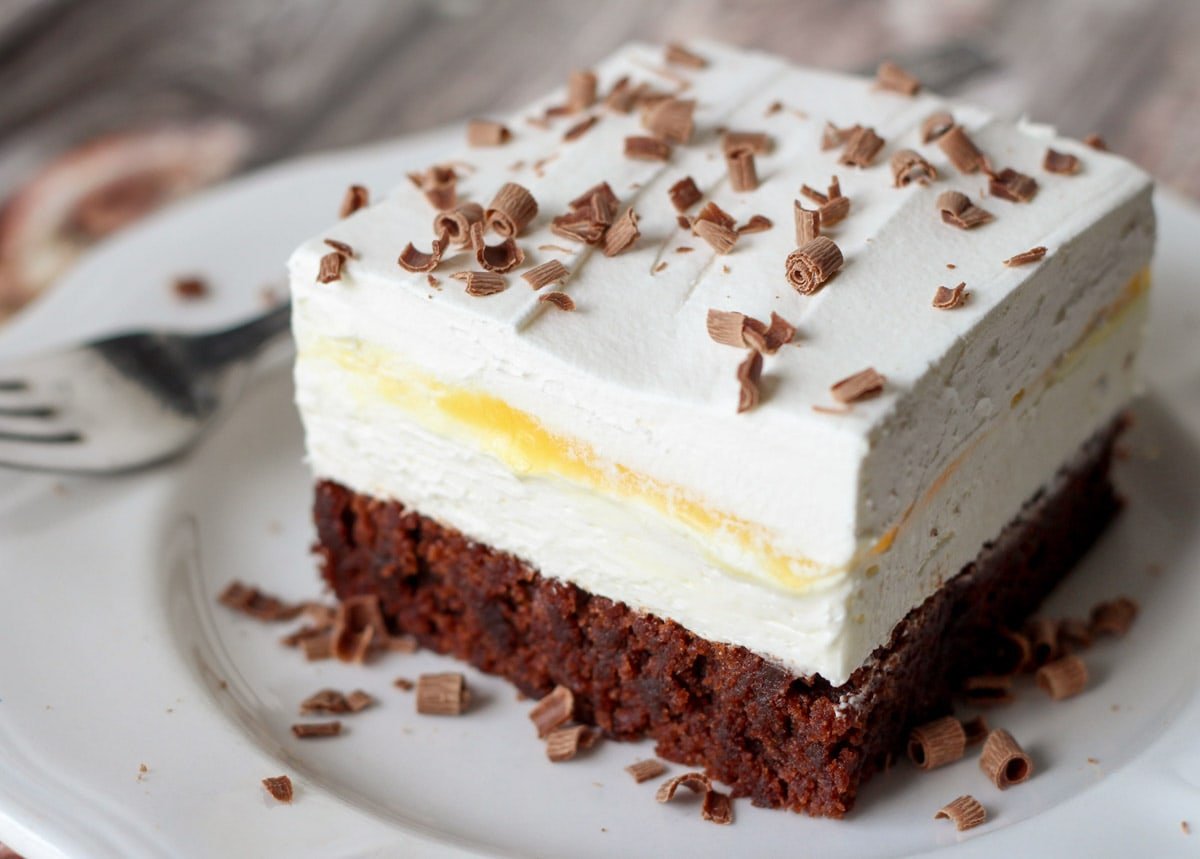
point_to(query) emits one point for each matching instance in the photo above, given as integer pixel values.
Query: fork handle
(216, 351)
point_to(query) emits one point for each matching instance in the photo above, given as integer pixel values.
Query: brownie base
(780, 739)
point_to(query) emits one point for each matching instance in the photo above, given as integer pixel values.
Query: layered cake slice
(749, 402)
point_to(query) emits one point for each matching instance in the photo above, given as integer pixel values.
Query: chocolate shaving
(622, 96)
(553, 710)
(484, 132)
(756, 224)
(808, 223)
(563, 743)
(193, 288)
(1003, 761)
(966, 812)
(510, 211)
(580, 128)
(495, 258)
(988, 690)
(961, 150)
(581, 90)
(330, 268)
(481, 283)
(551, 271)
(442, 694)
(958, 210)
(832, 137)
(439, 184)
(684, 194)
(455, 224)
(280, 788)
(684, 222)
(258, 604)
(1060, 162)
(909, 167)
(311, 730)
(818, 197)
(677, 54)
(414, 260)
(622, 234)
(1063, 678)
(643, 148)
(684, 249)
(835, 211)
(863, 385)
(1043, 640)
(890, 76)
(773, 108)
(1096, 142)
(670, 119)
(726, 327)
(297, 638)
(862, 145)
(948, 299)
(355, 198)
(812, 264)
(743, 175)
(1013, 652)
(1114, 617)
(714, 214)
(358, 627)
(778, 334)
(720, 237)
(1026, 257)
(601, 200)
(758, 142)
(404, 684)
(937, 743)
(1010, 185)
(748, 373)
(693, 781)
(324, 701)
(717, 807)
(559, 299)
(318, 646)
(341, 247)
(646, 770)
(935, 125)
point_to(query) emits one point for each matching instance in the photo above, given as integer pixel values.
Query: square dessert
(751, 403)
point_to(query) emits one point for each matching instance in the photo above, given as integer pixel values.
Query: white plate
(112, 651)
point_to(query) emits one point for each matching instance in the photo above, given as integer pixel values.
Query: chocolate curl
(495, 258)
(812, 264)
(511, 210)
(455, 224)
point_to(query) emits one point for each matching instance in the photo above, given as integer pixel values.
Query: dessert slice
(749, 402)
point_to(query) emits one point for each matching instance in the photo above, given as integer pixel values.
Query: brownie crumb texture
(779, 739)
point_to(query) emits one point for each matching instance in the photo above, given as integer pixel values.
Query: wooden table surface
(294, 76)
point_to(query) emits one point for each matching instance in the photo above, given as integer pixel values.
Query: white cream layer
(633, 376)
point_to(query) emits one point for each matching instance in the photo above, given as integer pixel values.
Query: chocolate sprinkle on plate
(966, 812)
(192, 288)
(314, 730)
(562, 744)
(1003, 761)
(280, 788)
(646, 770)
(443, 694)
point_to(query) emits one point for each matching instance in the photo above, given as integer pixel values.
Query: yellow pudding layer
(527, 448)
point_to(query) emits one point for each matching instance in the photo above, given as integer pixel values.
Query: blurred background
(110, 109)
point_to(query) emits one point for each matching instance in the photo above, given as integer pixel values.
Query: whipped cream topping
(802, 535)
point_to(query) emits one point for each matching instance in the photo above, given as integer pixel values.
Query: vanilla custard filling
(527, 449)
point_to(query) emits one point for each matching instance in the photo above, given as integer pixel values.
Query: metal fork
(126, 401)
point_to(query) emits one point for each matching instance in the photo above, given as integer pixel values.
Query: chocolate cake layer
(779, 739)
